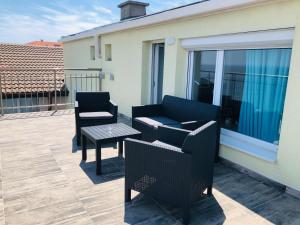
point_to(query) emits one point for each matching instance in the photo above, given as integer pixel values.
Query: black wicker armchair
(93, 108)
(174, 112)
(177, 168)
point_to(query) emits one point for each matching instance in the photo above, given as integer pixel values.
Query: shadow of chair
(143, 209)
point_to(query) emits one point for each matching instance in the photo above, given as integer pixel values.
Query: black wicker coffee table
(104, 134)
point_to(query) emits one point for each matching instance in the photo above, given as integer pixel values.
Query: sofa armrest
(172, 136)
(146, 110)
(113, 108)
(193, 125)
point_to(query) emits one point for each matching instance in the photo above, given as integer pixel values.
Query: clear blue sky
(22, 21)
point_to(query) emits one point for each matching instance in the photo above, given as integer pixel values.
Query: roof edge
(133, 2)
(29, 46)
(198, 8)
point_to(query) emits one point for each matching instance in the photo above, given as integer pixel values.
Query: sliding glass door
(251, 90)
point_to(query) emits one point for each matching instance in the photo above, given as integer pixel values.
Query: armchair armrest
(113, 108)
(146, 110)
(139, 145)
(193, 125)
(172, 136)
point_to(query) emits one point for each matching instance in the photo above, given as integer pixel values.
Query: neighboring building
(28, 81)
(243, 55)
(42, 43)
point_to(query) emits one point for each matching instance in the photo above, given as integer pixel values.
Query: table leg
(98, 159)
(127, 194)
(83, 146)
(121, 148)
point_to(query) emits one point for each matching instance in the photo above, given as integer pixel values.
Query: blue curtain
(264, 93)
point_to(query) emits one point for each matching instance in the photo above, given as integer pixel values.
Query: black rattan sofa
(93, 108)
(174, 112)
(176, 168)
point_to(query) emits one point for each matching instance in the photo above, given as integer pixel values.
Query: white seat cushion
(156, 121)
(95, 115)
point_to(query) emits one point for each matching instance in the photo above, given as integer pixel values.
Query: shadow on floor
(205, 211)
(112, 169)
(263, 199)
(75, 147)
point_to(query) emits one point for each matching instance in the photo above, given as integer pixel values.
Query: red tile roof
(45, 43)
(38, 64)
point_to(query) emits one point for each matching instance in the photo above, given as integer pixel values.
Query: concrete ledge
(253, 174)
(293, 192)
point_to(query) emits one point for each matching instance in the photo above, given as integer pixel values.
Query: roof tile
(30, 57)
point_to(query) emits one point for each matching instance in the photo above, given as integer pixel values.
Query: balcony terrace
(43, 181)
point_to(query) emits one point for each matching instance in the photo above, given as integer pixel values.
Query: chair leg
(186, 210)
(78, 135)
(127, 195)
(78, 142)
(209, 190)
(120, 154)
(83, 147)
(186, 215)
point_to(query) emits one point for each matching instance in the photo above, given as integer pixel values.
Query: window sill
(251, 146)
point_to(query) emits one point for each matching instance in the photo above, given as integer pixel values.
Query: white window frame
(152, 75)
(282, 38)
(190, 71)
(92, 53)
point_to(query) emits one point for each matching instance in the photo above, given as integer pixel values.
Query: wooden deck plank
(43, 181)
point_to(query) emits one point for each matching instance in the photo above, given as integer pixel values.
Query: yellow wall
(77, 54)
(130, 57)
(145, 82)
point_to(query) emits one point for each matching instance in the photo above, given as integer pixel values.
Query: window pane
(204, 76)
(253, 93)
(92, 52)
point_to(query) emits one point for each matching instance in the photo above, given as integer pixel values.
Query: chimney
(131, 9)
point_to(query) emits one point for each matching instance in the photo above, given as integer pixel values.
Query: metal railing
(33, 90)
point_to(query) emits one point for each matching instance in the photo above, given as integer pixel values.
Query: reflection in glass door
(203, 76)
(248, 84)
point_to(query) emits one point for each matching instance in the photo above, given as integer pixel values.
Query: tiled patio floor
(44, 182)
